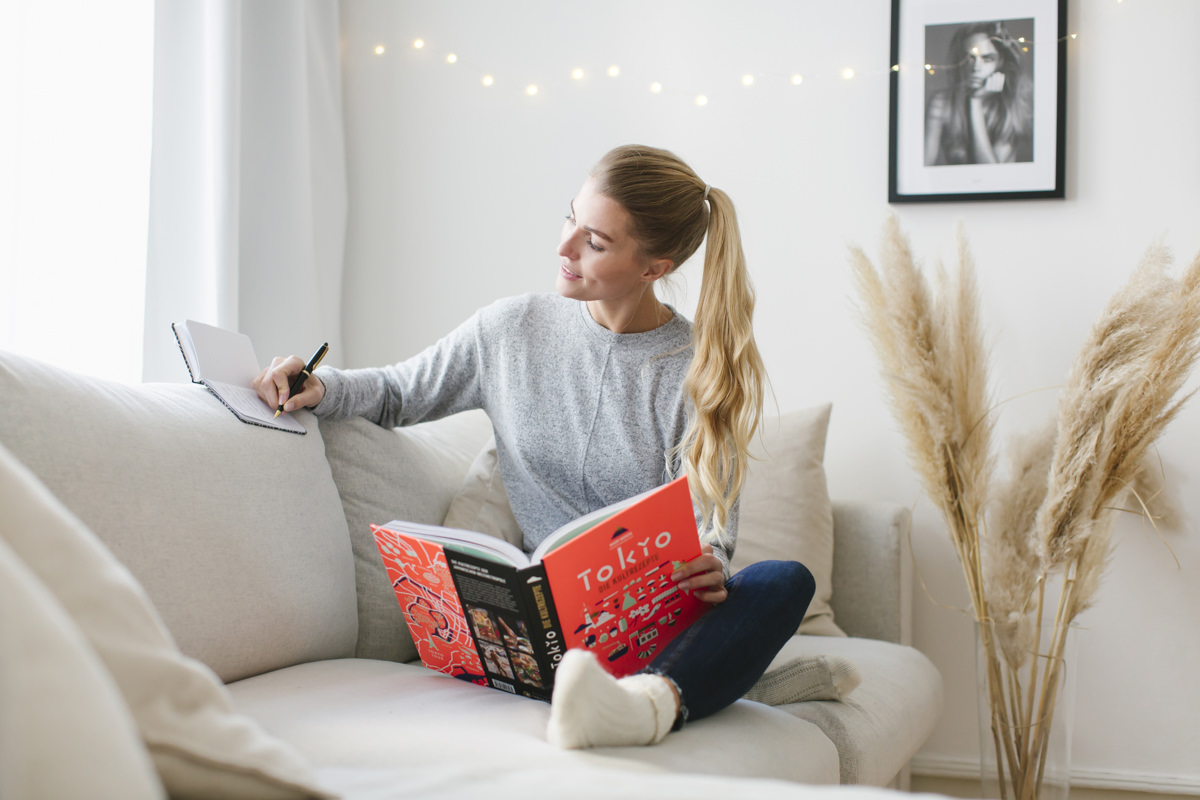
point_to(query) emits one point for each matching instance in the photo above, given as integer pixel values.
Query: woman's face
(598, 258)
(983, 59)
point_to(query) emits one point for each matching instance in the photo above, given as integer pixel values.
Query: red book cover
(425, 589)
(612, 585)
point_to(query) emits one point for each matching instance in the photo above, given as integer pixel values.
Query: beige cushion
(235, 531)
(785, 511)
(65, 730)
(412, 713)
(892, 712)
(384, 474)
(482, 504)
(183, 712)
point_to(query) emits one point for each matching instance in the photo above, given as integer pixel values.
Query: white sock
(591, 708)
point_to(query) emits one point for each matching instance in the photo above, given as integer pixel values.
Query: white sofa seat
(363, 713)
(898, 701)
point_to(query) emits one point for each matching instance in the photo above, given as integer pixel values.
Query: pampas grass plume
(1049, 523)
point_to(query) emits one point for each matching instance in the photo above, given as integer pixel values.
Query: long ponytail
(725, 381)
(673, 212)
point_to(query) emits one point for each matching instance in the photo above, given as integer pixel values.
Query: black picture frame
(1001, 61)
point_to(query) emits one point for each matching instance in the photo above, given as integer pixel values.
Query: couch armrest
(872, 571)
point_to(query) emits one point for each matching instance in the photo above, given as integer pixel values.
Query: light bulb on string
(380, 50)
(747, 79)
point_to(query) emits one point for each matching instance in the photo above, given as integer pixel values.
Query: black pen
(298, 381)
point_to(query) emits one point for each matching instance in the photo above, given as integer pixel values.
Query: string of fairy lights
(490, 80)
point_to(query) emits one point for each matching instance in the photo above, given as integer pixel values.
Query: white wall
(457, 195)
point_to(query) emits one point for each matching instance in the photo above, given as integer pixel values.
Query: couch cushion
(785, 511)
(235, 531)
(182, 711)
(583, 781)
(65, 730)
(481, 503)
(384, 474)
(886, 719)
(590, 781)
(435, 728)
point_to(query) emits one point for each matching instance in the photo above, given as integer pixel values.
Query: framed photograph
(978, 100)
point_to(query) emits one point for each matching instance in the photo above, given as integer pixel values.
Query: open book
(482, 610)
(224, 361)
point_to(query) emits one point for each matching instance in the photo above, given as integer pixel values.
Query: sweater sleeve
(723, 549)
(442, 380)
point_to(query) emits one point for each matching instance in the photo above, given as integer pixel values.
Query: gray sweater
(583, 417)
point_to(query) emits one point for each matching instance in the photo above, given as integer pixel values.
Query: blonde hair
(672, 212)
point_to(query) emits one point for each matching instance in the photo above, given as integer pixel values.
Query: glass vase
(1026, 685)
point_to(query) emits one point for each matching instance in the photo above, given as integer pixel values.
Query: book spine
(548, 640)
(493, 600)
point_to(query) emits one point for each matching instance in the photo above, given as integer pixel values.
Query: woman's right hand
(273, 382)
(993, 84)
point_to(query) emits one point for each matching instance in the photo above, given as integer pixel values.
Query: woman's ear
(656, 268)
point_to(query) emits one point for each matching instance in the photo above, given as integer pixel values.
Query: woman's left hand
(704, 576)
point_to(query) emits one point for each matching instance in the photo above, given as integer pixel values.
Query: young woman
(598, 393)
(985, 115)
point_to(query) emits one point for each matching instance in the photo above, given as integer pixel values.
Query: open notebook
(224, 362)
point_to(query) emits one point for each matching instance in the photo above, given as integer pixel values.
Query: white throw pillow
(64, 730)
(482, 504)
(200, 747)
(785, 509)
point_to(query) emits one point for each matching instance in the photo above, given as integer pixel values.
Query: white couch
(200, 598)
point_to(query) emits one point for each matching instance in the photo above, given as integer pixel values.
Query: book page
(247, 405)
(221, 356)
(585, 523)
(477, 544)
(189, 351)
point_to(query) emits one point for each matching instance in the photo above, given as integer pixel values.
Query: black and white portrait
(979, 87)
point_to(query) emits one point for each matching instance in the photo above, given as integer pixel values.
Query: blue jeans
(723, 654)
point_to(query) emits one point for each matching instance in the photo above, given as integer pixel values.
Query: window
(74, 181)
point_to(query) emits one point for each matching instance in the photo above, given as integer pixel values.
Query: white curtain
(248, 177)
